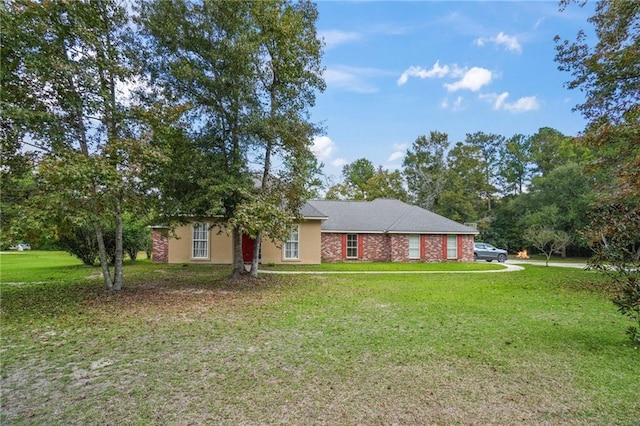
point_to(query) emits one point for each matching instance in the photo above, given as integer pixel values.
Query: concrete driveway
(542, 263)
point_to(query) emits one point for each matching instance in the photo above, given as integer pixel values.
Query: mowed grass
(185, 345)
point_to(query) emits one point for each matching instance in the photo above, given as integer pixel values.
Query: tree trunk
(117, 284)
(104, 262)
(238, 262)
(256, 255)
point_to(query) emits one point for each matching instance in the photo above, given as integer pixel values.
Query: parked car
(21, 247)
(483, 251)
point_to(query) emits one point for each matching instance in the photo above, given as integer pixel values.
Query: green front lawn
(185, 345)
(386, 267)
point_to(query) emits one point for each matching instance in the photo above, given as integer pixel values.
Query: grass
(185, 345)
(386, 267)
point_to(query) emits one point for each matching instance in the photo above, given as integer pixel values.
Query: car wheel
(475, 257)
(502, 258)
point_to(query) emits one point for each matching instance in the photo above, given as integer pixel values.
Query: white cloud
(499, 102)
(338, 162)
(472, 80)
(352, 79)
(538, 23)
(528, 103)
(323, 147)
(495, 99)
(396, 156)
(510, 43)
(455, 106)
(334, 38)
(416, 71)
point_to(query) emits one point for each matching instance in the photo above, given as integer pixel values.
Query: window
(414, 246)
(200, 249)
(352, 246)
(452, 246)
(292, 245)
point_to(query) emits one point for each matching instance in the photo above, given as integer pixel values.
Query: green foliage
(81, 242)
(548, 240)
(606, 71)
(515, 161)
(614, 235)
(236, 80)
(424, 169)
(362, 181)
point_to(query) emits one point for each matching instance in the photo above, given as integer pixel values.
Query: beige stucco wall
(309, 246)
(221, 248)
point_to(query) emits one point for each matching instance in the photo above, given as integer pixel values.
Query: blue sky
(396, 70)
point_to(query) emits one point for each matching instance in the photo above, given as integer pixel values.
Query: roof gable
(384, 215)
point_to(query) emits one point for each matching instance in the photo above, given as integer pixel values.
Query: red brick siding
(467, 248)
(332, 247)
(399, 248)
(375, 247)
(433, 248)
(394, 247)
(160, 246)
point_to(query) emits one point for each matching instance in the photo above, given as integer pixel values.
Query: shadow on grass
(144, 284)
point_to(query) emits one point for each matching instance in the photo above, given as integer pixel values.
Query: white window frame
(452, 246)
(350, 247)
(291, 247)
(200, 240)
(414, 246)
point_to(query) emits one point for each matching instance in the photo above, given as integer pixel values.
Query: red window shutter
(444, 246)
(344, 246)
(423, 239)
(360, 246)
(460, 251)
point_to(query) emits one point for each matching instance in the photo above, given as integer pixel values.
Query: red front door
(248, 245)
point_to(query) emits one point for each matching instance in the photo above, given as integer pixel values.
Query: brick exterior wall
(395, 248)
(399, 247)
(467, 248)
(376, 248)
(331, 250)
(160, 246)
(433, 248)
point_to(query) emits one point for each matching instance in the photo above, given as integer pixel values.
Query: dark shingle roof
(384, 215)
(310, 212)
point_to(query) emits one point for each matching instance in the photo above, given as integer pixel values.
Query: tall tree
(68, 63)
(289, 71)
(246, 74)
(362, 181)
(489, 146)
(424, 169)
(355, 176)
(200, 55)
(550, 149)
(514, 167)
(608, 72)
(461, 197)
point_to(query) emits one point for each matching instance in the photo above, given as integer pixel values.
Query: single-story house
(384, 230)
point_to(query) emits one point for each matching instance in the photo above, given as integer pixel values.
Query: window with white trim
(200, 241)
(292, 245)
(452, 246)
(414, 246)
(352, 246)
